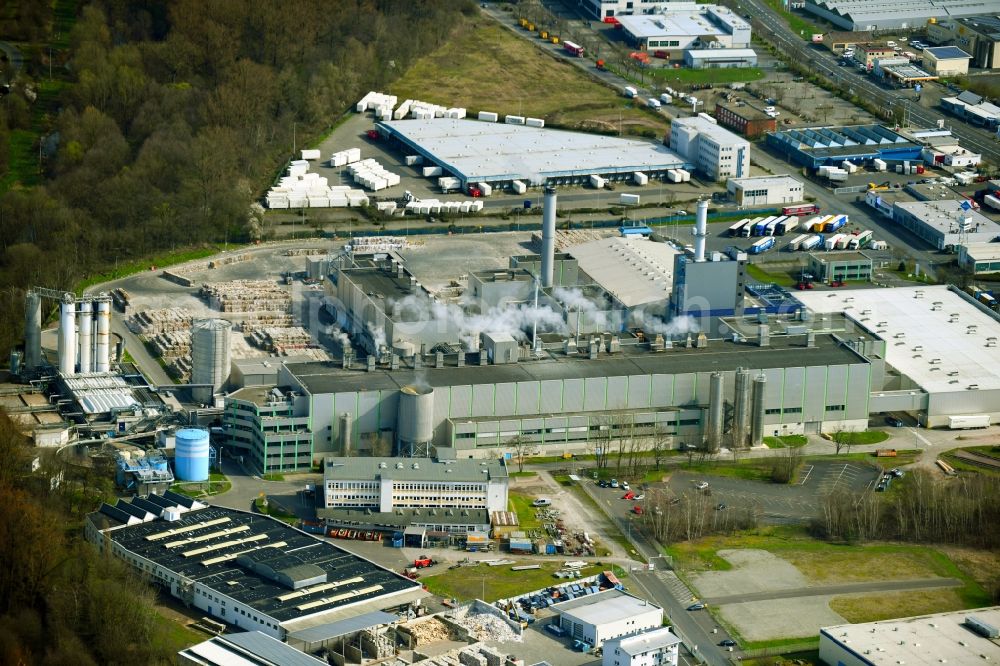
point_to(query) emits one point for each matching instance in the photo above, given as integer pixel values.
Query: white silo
(191, 454)
(67, 335)
(210, 356)
(85, 321)
(415, 420)
(102, 361)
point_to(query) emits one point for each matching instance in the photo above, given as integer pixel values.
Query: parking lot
(775, 503)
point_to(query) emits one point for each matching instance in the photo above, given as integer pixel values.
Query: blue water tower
(191, 455)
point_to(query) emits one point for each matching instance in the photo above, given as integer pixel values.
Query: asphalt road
(847, 588)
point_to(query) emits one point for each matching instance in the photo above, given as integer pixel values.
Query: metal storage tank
(346, 429)
(15, 362)
(210, 356)
(757, 417)
(67, 335)
(415, 419)
(102, 360)
(191, 455)
(741, 411)
(32, 331)
(716, 404)
(86, 323)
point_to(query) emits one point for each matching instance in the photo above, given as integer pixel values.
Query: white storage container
(534, 122)
(514, 120)
(485, 188)
(413, 160)
(685, 175)
(629, 199)
(673, 175)
(489, 116)
(310, 154)
(597, 182)
(430, 171)
(476, 206)
(518, 187)
(640, 178)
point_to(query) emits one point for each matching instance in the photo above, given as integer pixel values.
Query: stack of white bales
(377, 101)
(345, 157)
(372, 175)
(425, 110)
(428, 206)
(302, 189)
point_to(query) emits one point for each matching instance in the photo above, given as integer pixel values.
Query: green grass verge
(786, 441)
(492, 583)
(748, 469)
(273, 477)
(219, 484)
(163, 260)
(805, 658)
(761, 275)
(173, 636)
(521, 505)
(721, 76)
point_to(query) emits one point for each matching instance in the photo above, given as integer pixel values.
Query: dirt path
(580, 516)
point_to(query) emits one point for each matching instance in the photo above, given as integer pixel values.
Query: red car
(637, 510)
(629, 495)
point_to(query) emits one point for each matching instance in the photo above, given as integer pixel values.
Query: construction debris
(431, 630)
(484, 625)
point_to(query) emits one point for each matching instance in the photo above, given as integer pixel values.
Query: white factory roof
(688, 20)
(101, 393)
(935, 639)
(983, 251)
(764, 181)
(249, 648)
(928, 333)
(943, 214)
(719, 134)
(483, 151)
(871, 12)
(603, 607)
(647, 641)
(634, 270)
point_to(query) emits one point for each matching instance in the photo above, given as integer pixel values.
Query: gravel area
(753, 571)
(780, 618)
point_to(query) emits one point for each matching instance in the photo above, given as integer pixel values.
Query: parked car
(603, 484)
(614, 483)
(555, 629)
(625, 485)
(727, 642)
(894, 421)
(697, 606)
(701, 485)
(721, 506)
(542, 501)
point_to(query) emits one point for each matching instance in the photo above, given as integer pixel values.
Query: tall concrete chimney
(700, 230)
(548, 236)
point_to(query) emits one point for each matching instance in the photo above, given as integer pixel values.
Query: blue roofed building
(814, 147)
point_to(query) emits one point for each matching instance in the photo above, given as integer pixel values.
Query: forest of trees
(163, 120)
(177, 114)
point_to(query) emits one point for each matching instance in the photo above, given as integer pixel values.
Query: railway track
(978, 459)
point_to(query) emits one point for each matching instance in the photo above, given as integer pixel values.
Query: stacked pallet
(172, 345)
(247, 296)
(150, 323)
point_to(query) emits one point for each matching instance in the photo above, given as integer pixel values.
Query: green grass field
(492, 583)
(760, 275)
(521, 505)
(804, 27)
(887, 605)
(748, 469)
(686, 76)
(786, 441)
(486, 67)
(159, 261)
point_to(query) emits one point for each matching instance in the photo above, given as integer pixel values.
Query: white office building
(387, 484)
(607, 615)
(656, 647)
(715, 151)
(683, 25)
(765, 190)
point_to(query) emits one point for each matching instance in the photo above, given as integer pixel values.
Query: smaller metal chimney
(570, 346)
(593, 348)
(394, 362)
(461, 358)
(548, 236)
(702, 341)
(764, 335)
(439, 360)
(370, 363)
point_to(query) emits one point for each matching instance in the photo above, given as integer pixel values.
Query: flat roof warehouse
(478, 151)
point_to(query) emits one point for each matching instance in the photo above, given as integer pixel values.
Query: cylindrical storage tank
(716, 410)
(32, 331)
(67, 335)
(210, 357)
(86, 323)
(741, 408)
(102, 362)
(191, 455)
(548, 236)
(346, 433)
(15, 362)
(415, 418)
(757, 416)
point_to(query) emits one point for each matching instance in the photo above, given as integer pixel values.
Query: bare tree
(843, 439)
(520, 448)
(659, 444)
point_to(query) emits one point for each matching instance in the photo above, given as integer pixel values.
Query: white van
(653, 103)
(542, 501)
